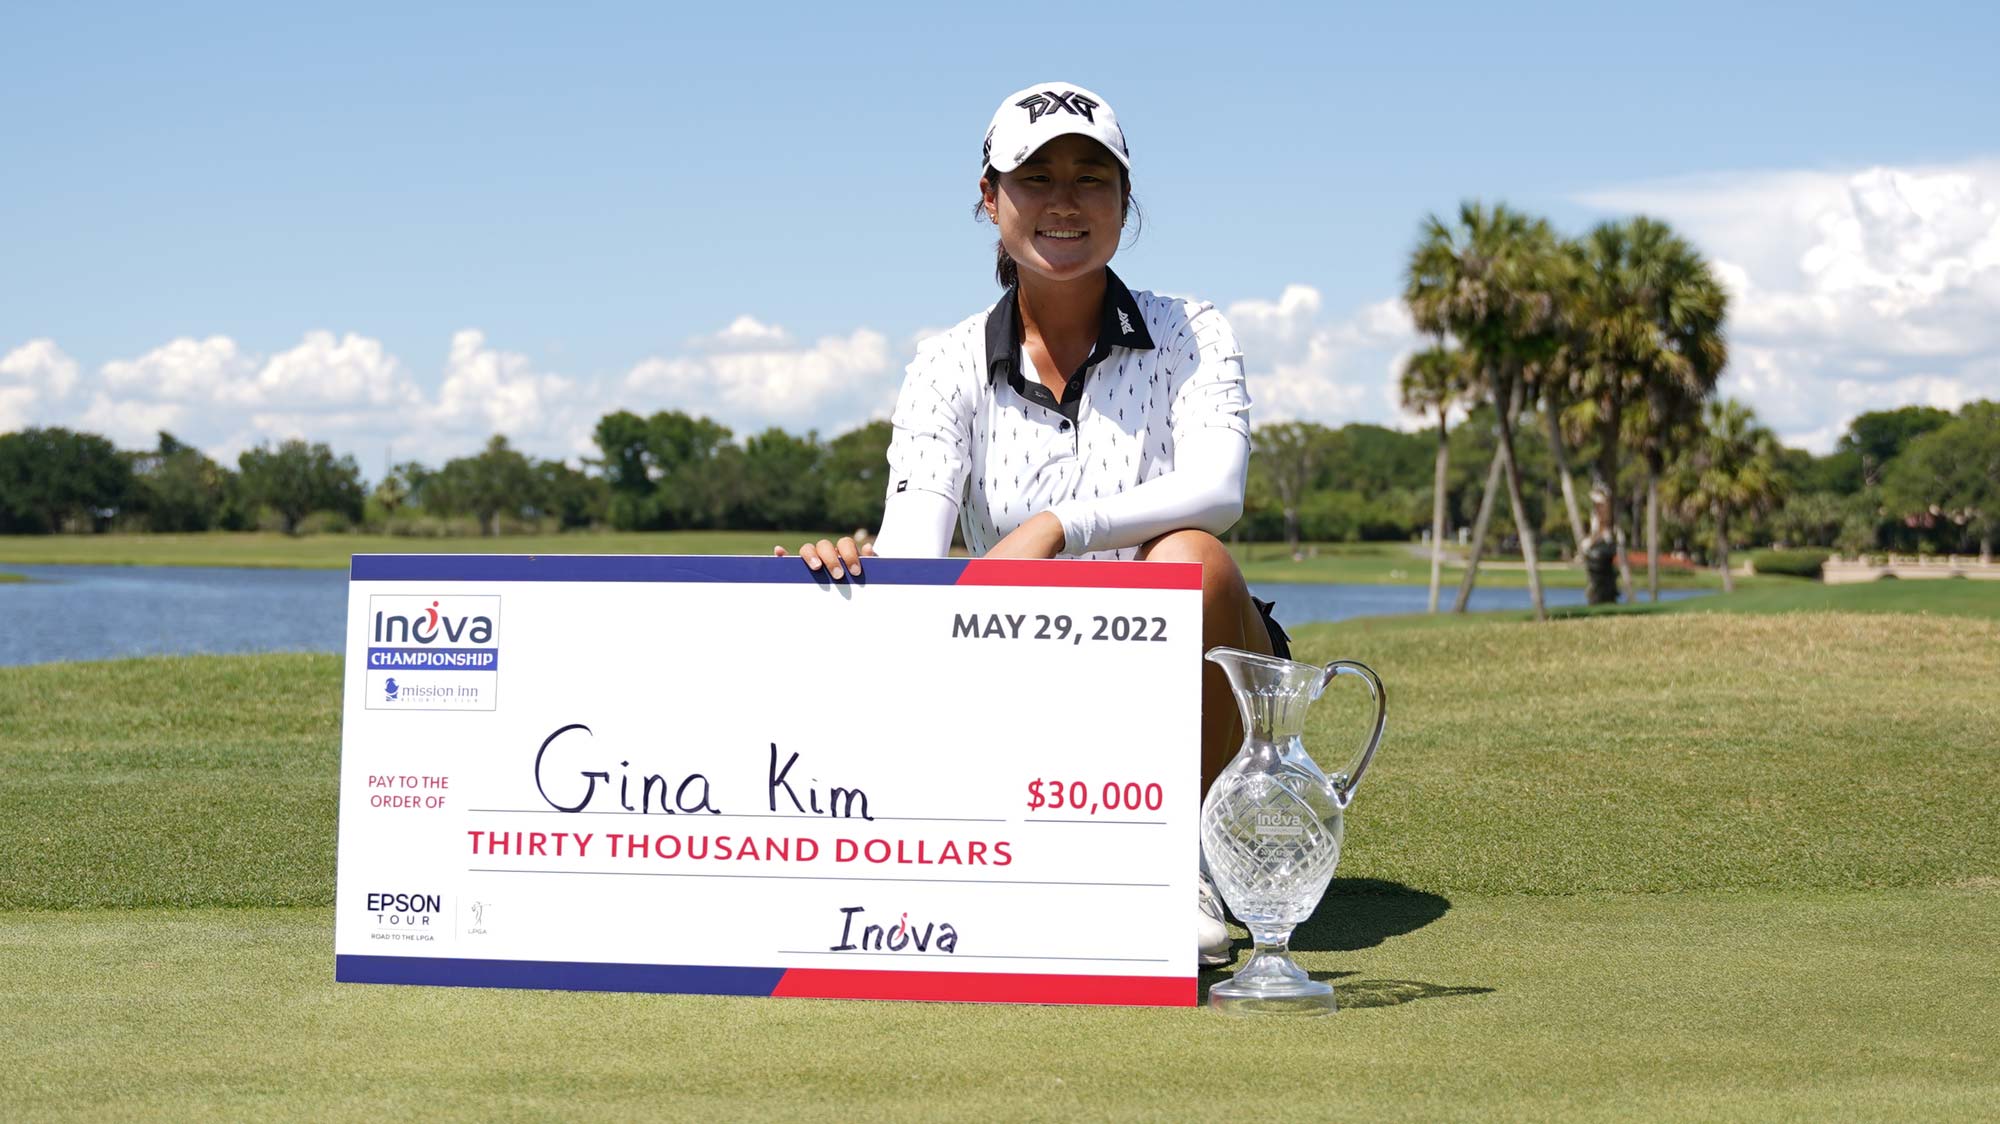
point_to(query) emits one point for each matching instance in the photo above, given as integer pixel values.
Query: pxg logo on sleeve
(433, 653)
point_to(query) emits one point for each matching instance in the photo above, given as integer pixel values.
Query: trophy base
(1257, 1005)
(1272, 985)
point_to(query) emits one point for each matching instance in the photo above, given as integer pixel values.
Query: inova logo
(1280, 823)
(430, 624)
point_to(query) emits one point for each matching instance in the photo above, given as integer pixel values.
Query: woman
(1075, 417)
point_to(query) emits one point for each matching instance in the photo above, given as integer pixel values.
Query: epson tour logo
(404, 916)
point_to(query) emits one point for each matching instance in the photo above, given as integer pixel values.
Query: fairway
(1373, 563)
(331, 552)
(1689, 865)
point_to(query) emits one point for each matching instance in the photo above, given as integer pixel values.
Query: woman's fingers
(830, 556)
(837, 558)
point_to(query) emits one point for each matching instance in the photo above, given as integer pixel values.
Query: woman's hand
(1040, 537)
(837, 558)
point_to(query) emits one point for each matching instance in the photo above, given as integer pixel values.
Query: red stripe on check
(987, 987)
(1077, 573)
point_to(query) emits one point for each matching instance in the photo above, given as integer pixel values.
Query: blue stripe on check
(452, 972)
(637, 568)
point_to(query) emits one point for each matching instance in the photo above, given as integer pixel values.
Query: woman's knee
(1220, 579)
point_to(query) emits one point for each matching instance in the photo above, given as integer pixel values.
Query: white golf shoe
(1212, 934)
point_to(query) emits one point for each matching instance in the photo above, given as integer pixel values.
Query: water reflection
(110, 612)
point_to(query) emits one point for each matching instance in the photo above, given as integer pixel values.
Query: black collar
(1120, 324)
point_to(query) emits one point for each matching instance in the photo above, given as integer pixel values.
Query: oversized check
(953, 780)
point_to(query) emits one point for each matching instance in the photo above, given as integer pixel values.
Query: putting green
(1718, 1006)
(1688, 865)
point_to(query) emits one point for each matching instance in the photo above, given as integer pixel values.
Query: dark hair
(1004, 269)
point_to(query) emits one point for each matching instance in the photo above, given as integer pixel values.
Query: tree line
(1916, 479)
(670, 471)
(1552, 358)
(1612, 345)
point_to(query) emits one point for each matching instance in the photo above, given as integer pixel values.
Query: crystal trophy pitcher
(1271, 824)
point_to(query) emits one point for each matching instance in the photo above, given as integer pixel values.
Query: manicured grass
(1621, 755)
(1698, 865)
(1753, 596)
(1952, 596)
(7, 578)
(1410, 564)
(331, 552)
(177, 781)
(1767, 1005)
(1629, 867)
(1362, 563)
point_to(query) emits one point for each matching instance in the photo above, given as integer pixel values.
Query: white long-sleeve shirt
(1152, 433)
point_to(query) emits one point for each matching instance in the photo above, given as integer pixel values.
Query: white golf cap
(1031, 118)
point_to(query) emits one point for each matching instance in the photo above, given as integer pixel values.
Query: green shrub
(325, 523)
(412, 525)
(1790, 563)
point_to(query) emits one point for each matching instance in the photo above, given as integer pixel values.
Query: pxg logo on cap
(1030, 118)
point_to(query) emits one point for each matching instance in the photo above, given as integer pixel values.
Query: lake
(110, 612)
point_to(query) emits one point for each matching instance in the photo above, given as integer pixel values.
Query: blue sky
(600, 192)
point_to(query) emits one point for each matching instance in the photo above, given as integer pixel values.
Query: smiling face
(1060, 212)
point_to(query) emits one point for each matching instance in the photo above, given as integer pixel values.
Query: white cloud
(131, 423)
(746, 332)
(1302, 366)
(40, 362)
(351, 392)
(17, 407)
(493, 389)
(837, 382)
(322, 371)
(33, 377)
(184, 369)
(1852, 291)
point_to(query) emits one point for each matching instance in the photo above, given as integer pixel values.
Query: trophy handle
(1345, 784)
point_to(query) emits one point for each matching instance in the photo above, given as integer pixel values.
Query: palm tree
(1484, 519)
(1645, 349)
(1552, 383)
(1684, 306)
(1434, 379)
(1729, 467)
(1492, 281)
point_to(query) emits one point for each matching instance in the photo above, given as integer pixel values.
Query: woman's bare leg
(1228, 618)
